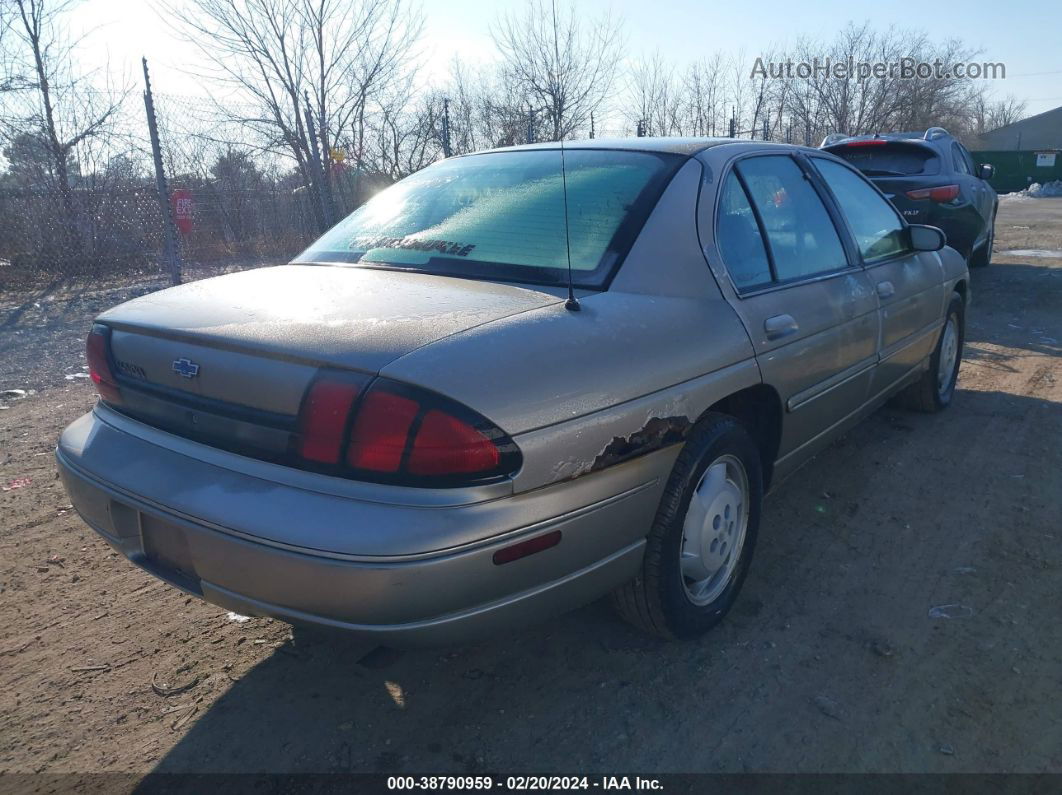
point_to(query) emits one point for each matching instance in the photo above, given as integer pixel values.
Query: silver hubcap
(949, 356)
(713, 532)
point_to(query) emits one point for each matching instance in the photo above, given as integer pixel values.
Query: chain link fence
(232, 206)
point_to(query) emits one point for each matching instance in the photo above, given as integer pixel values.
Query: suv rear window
(889, 160)
(501, 216)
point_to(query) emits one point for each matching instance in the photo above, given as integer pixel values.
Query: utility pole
(446, 127)
(171, 249)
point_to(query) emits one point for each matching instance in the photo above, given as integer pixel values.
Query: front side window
(877, 227)
(803, 240)
(501, 216)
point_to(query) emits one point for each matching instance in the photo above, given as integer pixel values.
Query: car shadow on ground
(832, 658)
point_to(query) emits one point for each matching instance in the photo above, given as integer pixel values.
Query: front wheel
(934, 391)
(701, 542)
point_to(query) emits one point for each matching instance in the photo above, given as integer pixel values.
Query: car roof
(679, 146)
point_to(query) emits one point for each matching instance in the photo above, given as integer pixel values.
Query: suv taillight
(394, 433)
(98, 354)
(945, 193)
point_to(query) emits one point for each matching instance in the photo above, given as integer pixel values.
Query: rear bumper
(452, 594)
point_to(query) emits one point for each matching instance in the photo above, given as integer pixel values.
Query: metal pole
(530, 124)
(591, 124)
(446, 128)
(171, 248)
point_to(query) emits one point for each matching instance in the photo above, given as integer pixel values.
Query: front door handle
(886, 290)
(780, 326)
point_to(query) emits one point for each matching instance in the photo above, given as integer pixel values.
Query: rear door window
(962, 163)
(801, 237)
(877, 227)
(889, 159)
(739, 239)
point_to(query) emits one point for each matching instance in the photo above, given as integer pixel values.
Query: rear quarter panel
(579, 390)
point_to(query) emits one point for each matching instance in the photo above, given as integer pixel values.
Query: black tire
(656, 601)
(925, 394)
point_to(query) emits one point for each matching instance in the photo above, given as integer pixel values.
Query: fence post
(171, 249)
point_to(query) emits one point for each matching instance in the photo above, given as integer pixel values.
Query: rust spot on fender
(658, 433)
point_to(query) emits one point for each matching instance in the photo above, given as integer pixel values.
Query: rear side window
(890, 159)
(501, 216)
(739, 239)
(877, 227)
(802, 239)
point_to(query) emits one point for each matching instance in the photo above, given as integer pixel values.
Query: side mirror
(985, 171)
(927, 238)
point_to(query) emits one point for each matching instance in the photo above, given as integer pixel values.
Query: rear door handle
(780, 326)
(886, 290)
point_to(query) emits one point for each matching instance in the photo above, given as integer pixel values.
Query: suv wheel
(701, 542)
(982, 257)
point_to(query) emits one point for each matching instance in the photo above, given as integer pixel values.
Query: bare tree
(654, 96)
(61, 110)
(565, 70)
(313, 68)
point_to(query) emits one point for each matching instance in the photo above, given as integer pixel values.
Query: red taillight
(381, 432)
(446, 445)
(945, 193)
(324, 414)
(398, 434)
(98, 354)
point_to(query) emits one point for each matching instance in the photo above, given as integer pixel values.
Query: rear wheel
(982, 257)
(701, 542)
(934, 391)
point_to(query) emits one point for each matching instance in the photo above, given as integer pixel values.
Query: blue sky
(1023, 35)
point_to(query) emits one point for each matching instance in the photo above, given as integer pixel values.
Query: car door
(974, 187)
(986, 197)
(809, 310)
(909, 284)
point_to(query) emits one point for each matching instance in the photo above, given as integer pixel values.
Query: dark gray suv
(932, 179)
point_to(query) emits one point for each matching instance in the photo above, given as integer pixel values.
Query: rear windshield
(888, 160)
(501, 216)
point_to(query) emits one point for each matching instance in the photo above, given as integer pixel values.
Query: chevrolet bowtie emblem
(185, 368)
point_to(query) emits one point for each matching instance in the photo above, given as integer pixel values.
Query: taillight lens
(449, 445)
(98, 354)
(396, 433)
(324, 415)
(944, 193)
(380, 435)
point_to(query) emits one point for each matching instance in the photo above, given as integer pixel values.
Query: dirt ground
(902, 613)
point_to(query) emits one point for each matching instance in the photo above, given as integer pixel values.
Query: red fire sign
(183, 209)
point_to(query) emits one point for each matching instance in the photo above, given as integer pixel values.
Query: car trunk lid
(228, 360)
